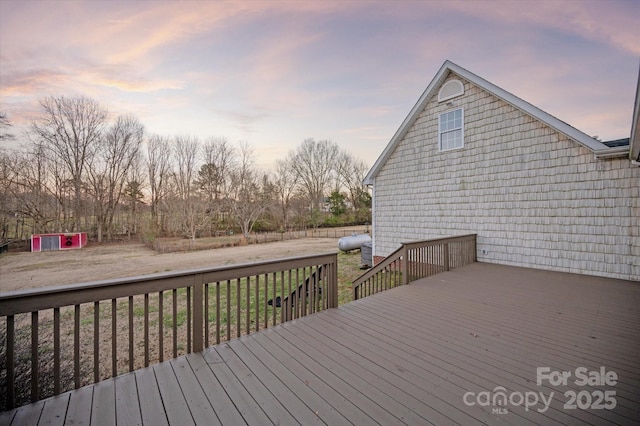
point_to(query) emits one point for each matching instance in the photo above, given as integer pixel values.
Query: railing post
(446, 256)
(475, 247)
(405, 265)
(198, 317)
(334, 281)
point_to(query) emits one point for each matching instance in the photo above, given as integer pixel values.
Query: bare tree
(191, 209)
(31, 191)
(8, 205)
(351, 173)
(246, 197)
(159, 154)
(213, 176)
(285, 182)
(134, 195)
(70, 129)
(115, 155)
(314, 164)
(5, 124)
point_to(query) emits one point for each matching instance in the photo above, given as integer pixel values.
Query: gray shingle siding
(534, 197)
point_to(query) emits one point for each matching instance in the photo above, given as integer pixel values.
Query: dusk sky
(272, 73)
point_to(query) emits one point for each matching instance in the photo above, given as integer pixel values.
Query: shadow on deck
(460, 347)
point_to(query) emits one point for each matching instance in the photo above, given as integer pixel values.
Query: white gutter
(617, 152)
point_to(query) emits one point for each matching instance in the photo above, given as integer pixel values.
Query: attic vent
(450, 89)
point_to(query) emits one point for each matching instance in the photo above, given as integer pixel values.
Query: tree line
(80, 169)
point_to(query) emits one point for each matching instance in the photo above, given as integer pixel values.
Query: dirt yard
(19, 271)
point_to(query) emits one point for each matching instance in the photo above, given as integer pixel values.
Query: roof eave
(407, 123)
(634, 141)
(574, 134)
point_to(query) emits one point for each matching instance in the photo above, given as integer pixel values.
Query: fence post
(198, 316)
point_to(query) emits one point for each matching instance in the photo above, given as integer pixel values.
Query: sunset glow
(273, 73)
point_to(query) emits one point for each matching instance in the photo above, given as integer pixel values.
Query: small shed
(58, 241)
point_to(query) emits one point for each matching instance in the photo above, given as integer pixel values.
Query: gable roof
(448, 67)
(634, 152)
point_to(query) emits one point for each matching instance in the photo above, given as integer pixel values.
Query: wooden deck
(411, 355)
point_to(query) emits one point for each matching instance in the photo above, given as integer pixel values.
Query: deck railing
(60, 338)
(416, 260)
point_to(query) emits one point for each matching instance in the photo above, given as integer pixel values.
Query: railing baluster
(228, 310)
(114, 334)
(188, 320)
(282, 302)
(289, 298)
(217, 313)
(257, 302)
(238, 310)
(303, 304)
(96, 342)
(266, 297)
(248, 319)
(175, 322)
(273, 308)
(76, 346)
(146, 329)
(34, 356)
(206, 315)
(160, 326)
(319, 279)
(11, 374)
(56, 351)
(446, 256)
(198, 316)
(296, 300)
(131, 347)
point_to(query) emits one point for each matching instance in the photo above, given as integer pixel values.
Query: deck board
(173, 400)
(335, 400)
(403, 356)
(79, 409)
(29, 414)
(382, 407)
(223, 406)
(196, 399)
(287, 397)
(103, 410)
(127, 390)
(150, 401)
(270, 405)
(55, 410)
(244, 402)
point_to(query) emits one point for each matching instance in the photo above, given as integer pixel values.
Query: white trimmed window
(451, 129)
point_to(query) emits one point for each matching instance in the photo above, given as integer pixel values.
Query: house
(473, 158)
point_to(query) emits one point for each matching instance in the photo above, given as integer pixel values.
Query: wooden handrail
(211, 303)
(415, 260)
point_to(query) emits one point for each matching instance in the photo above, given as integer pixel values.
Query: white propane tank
(353, 242)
